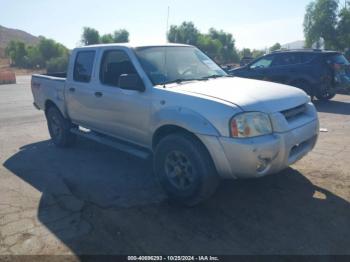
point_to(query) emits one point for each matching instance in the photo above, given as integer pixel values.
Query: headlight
(250, 124)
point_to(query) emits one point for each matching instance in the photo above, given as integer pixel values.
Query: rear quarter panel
(46, 88)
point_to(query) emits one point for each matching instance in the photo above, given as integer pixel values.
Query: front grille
(294, 112)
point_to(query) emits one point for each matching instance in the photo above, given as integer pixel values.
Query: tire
(185, 169)
(327, 92)
(326, 95)
(59, 128)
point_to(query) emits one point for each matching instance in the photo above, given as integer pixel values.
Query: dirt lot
(94, 200)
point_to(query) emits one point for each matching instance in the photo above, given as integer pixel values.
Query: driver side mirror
(131, 82)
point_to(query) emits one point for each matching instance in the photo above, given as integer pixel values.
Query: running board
(112, 142)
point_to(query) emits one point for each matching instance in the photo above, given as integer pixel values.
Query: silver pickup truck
(174, 103)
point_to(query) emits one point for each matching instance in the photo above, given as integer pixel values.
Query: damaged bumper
(260, 156)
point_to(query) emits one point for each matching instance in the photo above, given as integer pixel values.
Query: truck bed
(48, 87)
(57, 74)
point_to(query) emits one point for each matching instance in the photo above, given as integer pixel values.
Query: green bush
(47, 53)
(57, 64)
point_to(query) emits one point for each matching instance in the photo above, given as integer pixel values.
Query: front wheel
(59, 128)
(185, 169)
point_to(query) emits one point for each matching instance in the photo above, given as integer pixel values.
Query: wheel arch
(49, 103)
(169, 129)
(294, 82)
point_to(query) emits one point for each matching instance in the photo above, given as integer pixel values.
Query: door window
(264, 62)
(114, 64)
(83, 66)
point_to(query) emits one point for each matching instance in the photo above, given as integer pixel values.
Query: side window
(83, 66)
(287, 59)
(114, 64)
(264, 62)
(307, 57)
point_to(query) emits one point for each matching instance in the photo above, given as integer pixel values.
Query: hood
(248, 94)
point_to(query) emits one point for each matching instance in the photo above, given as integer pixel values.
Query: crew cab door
(79, 91)
(285, 67)
(121, 113)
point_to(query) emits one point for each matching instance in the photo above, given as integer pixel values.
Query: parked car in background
(319, 73)
(199, 123)
(246, 60)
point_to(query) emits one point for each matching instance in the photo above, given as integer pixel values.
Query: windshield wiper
(177, 81)
(214, 76)
(180, 80)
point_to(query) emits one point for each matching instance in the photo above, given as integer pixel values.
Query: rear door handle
(98, 94)
(72, 89)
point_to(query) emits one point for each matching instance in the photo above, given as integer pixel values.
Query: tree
(343, 29)
(121, 36)
(34, 58)
(90, 36)
(57, 64)
(227, 52)
(106, 39)
(16, 51)
(48, 48)
(47, 53)
(257, 53)
(217, 44)
(275, 47)
(210, 46)
(245, 52)
(186, 33)
(320, 21)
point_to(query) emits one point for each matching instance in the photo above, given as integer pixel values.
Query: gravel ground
(94, 200)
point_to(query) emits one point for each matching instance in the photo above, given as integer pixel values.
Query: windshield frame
(225, 74)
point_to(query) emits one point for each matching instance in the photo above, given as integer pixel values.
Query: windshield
(339, 59)
(169, 64)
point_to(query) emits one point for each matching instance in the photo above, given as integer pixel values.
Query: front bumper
(260, 156)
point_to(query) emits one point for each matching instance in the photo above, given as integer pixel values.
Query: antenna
(167, 26)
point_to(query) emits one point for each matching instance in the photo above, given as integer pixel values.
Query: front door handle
(98, 94)
(72, 89)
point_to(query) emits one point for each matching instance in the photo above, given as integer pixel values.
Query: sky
(253, 23)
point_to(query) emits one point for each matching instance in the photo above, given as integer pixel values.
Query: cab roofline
(132, 45)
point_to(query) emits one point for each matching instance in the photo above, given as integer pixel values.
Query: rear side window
(83, 66)
(286, 59)
(307, 57)
(114, 64)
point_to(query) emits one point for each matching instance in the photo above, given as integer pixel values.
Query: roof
(133, 45)
(281, 51)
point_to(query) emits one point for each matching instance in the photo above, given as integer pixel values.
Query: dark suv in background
(319, 73)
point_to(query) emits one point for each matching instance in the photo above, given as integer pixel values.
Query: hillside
(8, 34)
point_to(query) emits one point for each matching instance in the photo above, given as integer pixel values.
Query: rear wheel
(185, 169)
(326, 95)
(327, 91)
(59, 128)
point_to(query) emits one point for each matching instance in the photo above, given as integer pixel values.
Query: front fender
(185, 118)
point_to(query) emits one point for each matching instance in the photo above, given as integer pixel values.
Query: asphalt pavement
(91, 199)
